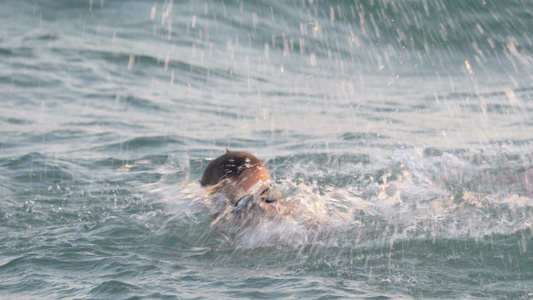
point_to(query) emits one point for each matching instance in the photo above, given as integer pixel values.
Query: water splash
(416, 194)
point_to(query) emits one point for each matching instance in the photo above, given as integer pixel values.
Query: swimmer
(240, 177)
(247, 190)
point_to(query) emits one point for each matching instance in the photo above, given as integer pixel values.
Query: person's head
(236, 175)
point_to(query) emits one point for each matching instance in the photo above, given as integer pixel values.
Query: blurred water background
(409, 122)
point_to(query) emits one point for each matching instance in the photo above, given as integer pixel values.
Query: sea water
(403, 130)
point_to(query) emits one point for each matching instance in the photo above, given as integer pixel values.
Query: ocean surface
(402, 129)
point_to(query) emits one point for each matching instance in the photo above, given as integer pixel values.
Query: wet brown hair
(235, 174)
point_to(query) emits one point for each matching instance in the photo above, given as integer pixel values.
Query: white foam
(410, 196)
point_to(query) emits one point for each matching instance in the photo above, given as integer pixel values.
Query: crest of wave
(445, 196)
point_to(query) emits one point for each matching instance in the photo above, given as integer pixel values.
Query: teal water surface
(401, 131)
